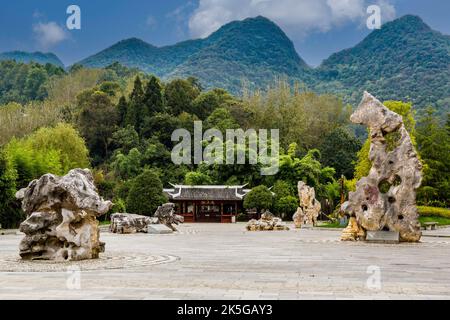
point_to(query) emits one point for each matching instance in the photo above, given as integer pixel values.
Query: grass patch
(440, 220)
(434, 212)
(105, 223)
(330, 225)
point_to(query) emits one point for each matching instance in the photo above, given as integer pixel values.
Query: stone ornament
(309, 209)
(166, 215)
(268, 222)
(62, 216)
(352, 232)
(134, 223)
(386, 198)
(126, 223)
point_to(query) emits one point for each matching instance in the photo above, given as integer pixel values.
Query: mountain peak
(408, 23)
(27, 57)
(134, 42)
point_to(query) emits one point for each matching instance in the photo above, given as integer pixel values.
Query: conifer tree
(135, 113)
(153, 98)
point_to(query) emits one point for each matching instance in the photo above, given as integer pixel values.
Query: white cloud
(388, 11)
(297, 17)
(48, 34)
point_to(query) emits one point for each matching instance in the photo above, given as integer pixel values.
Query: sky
(318, 28)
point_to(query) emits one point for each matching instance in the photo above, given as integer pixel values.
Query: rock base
(383, 237)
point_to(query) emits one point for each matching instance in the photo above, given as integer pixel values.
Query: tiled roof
(203, 193)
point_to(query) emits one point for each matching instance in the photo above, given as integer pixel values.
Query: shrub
(259, 198)
(146, 194)
(434, 212)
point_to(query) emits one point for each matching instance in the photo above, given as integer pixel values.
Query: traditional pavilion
(207, 203)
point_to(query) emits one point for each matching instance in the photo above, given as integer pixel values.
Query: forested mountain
(405, 60)
(27, 57)
(254, 50)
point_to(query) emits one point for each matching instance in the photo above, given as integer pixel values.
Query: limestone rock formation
(133, 223)
(386, 198)
(267, 223)
(309, 208)
(61, 219)
(298, 218)
(130, 223)
(166, 215)
(353, 232)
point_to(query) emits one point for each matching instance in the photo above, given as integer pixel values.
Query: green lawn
(329, 225)
(433, 212)
(440, 220)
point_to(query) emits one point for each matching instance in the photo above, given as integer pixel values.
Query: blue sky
(317, 27)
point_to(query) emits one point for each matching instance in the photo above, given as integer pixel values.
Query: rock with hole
(309, 209)
(386, 198)
(62, 216)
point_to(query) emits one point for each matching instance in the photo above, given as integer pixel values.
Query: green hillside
(27, 57)
(404, 60)
(254, 50)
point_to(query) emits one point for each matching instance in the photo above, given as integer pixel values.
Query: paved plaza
(223, 261)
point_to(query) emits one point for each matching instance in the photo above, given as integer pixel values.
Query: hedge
(434, 212)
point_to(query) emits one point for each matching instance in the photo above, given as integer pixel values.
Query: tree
(49, 150)
(307, 169)
(286, 206)
(136, 111)
(125, 139)
(146, 194)
(153, 97)
(97, 122)
(35, 83)
(302, 117)
(282, 189)
(259, 198)
(63, 138)
(433, 141)
(339, 151)
(122, 108)
(128, 166)
(180, 95)
(160, 126)
(111, 88)
(209, 101)
(222, 120)
(10, 213)
(197, 179)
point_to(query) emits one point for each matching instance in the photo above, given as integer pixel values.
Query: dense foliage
(27, 57)
(146, 194)
(259, 198)
(119, 122)
(20, 82)
(405, 60)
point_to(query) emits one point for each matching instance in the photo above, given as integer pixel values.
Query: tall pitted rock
(61, 219)
(386, 198)
(309, 208)
(166, 215)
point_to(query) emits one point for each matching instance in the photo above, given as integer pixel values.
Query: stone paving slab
(223, 261)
